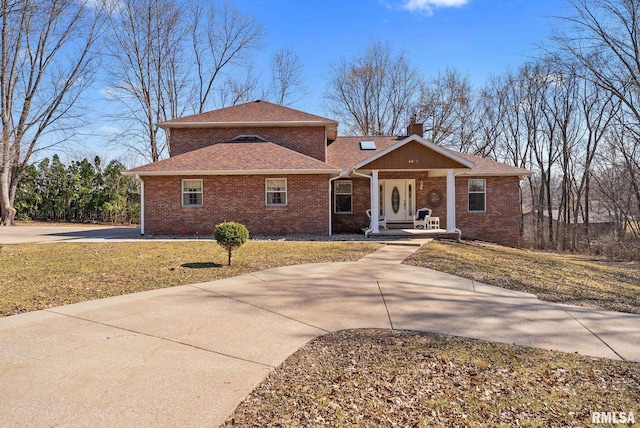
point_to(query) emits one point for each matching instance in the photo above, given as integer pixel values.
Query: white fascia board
(167, 125)
(496, 174)
(444, 152)
(413, 170)
(236, 172)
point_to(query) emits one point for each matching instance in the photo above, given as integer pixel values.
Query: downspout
(455, 229)
(353, 171)
(141, 203)
(331, 180)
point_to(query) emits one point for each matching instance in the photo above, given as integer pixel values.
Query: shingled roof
(255, 112)
(345, 153)
(237, 158)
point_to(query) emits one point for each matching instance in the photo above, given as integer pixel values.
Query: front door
(397, 200)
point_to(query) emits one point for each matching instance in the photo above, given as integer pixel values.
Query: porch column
(451, 201)
(375, 202)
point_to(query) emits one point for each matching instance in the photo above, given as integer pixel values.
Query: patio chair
(421, 218)
(382, 222)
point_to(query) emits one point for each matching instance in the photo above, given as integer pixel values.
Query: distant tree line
(83, 191)
(571, 116)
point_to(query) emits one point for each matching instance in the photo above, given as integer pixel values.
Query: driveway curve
(41, 233)
(186, 356)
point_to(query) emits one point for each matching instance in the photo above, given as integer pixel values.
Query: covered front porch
(398, 178)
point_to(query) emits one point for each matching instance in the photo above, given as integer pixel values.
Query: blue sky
(477, 37)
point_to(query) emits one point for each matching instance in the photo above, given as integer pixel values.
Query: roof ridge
(258, 111)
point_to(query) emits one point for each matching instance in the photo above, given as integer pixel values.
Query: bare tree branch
(373, 94)
(287, 78)
(47, 49)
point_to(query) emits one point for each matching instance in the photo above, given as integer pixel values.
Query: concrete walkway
(186, 356)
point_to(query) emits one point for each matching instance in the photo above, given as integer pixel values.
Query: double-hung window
(191, 193)
(343, 197)
(477, 196)
(276, 191)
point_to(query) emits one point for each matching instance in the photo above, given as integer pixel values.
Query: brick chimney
(415, 127)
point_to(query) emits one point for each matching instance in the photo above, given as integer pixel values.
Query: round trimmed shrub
(230, 235)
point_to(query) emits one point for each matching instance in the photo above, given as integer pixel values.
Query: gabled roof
(255, 113)
(237, 158)
(345, 153)
(457, 160)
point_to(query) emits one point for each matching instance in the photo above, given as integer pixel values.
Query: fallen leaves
(402, 378)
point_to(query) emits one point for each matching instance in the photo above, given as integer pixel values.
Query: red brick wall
(237, 198)
(306, 140)
(500, 223)
(358, 219)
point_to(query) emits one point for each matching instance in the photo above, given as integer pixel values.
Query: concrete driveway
(186, 356)
(29, 234)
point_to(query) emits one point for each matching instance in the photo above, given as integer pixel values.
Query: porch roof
(345, 153)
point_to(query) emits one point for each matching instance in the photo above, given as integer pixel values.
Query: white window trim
(266, 192)
(201, 192)
(484, 192)
(335, 195)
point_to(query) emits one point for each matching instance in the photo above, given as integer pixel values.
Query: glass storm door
(398, 200)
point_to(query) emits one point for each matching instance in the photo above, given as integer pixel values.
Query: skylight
(367, 145)
(248, 138)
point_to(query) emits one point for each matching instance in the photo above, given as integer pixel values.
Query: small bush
(230, 235)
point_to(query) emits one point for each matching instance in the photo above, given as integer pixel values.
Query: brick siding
(310, 140)
(500, 223)
(237, 198)
(354, 222)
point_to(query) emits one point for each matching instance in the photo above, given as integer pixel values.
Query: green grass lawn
(551, 277)
(37, 276)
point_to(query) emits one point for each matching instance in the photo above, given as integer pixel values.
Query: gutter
(234, 172)
(269, 123)
(141, 203)
(353, 171)
(455, 229)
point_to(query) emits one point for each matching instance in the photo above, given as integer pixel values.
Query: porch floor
(406, 229)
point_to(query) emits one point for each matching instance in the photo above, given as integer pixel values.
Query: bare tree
(46, 62)
(287, 85)
(598, 110)
(614, 185)
(223, 38)
(492, 108)
(373, 93)
(147, 73)
(446, 107)
(601, 43)
(168, 59)
(240, 88)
